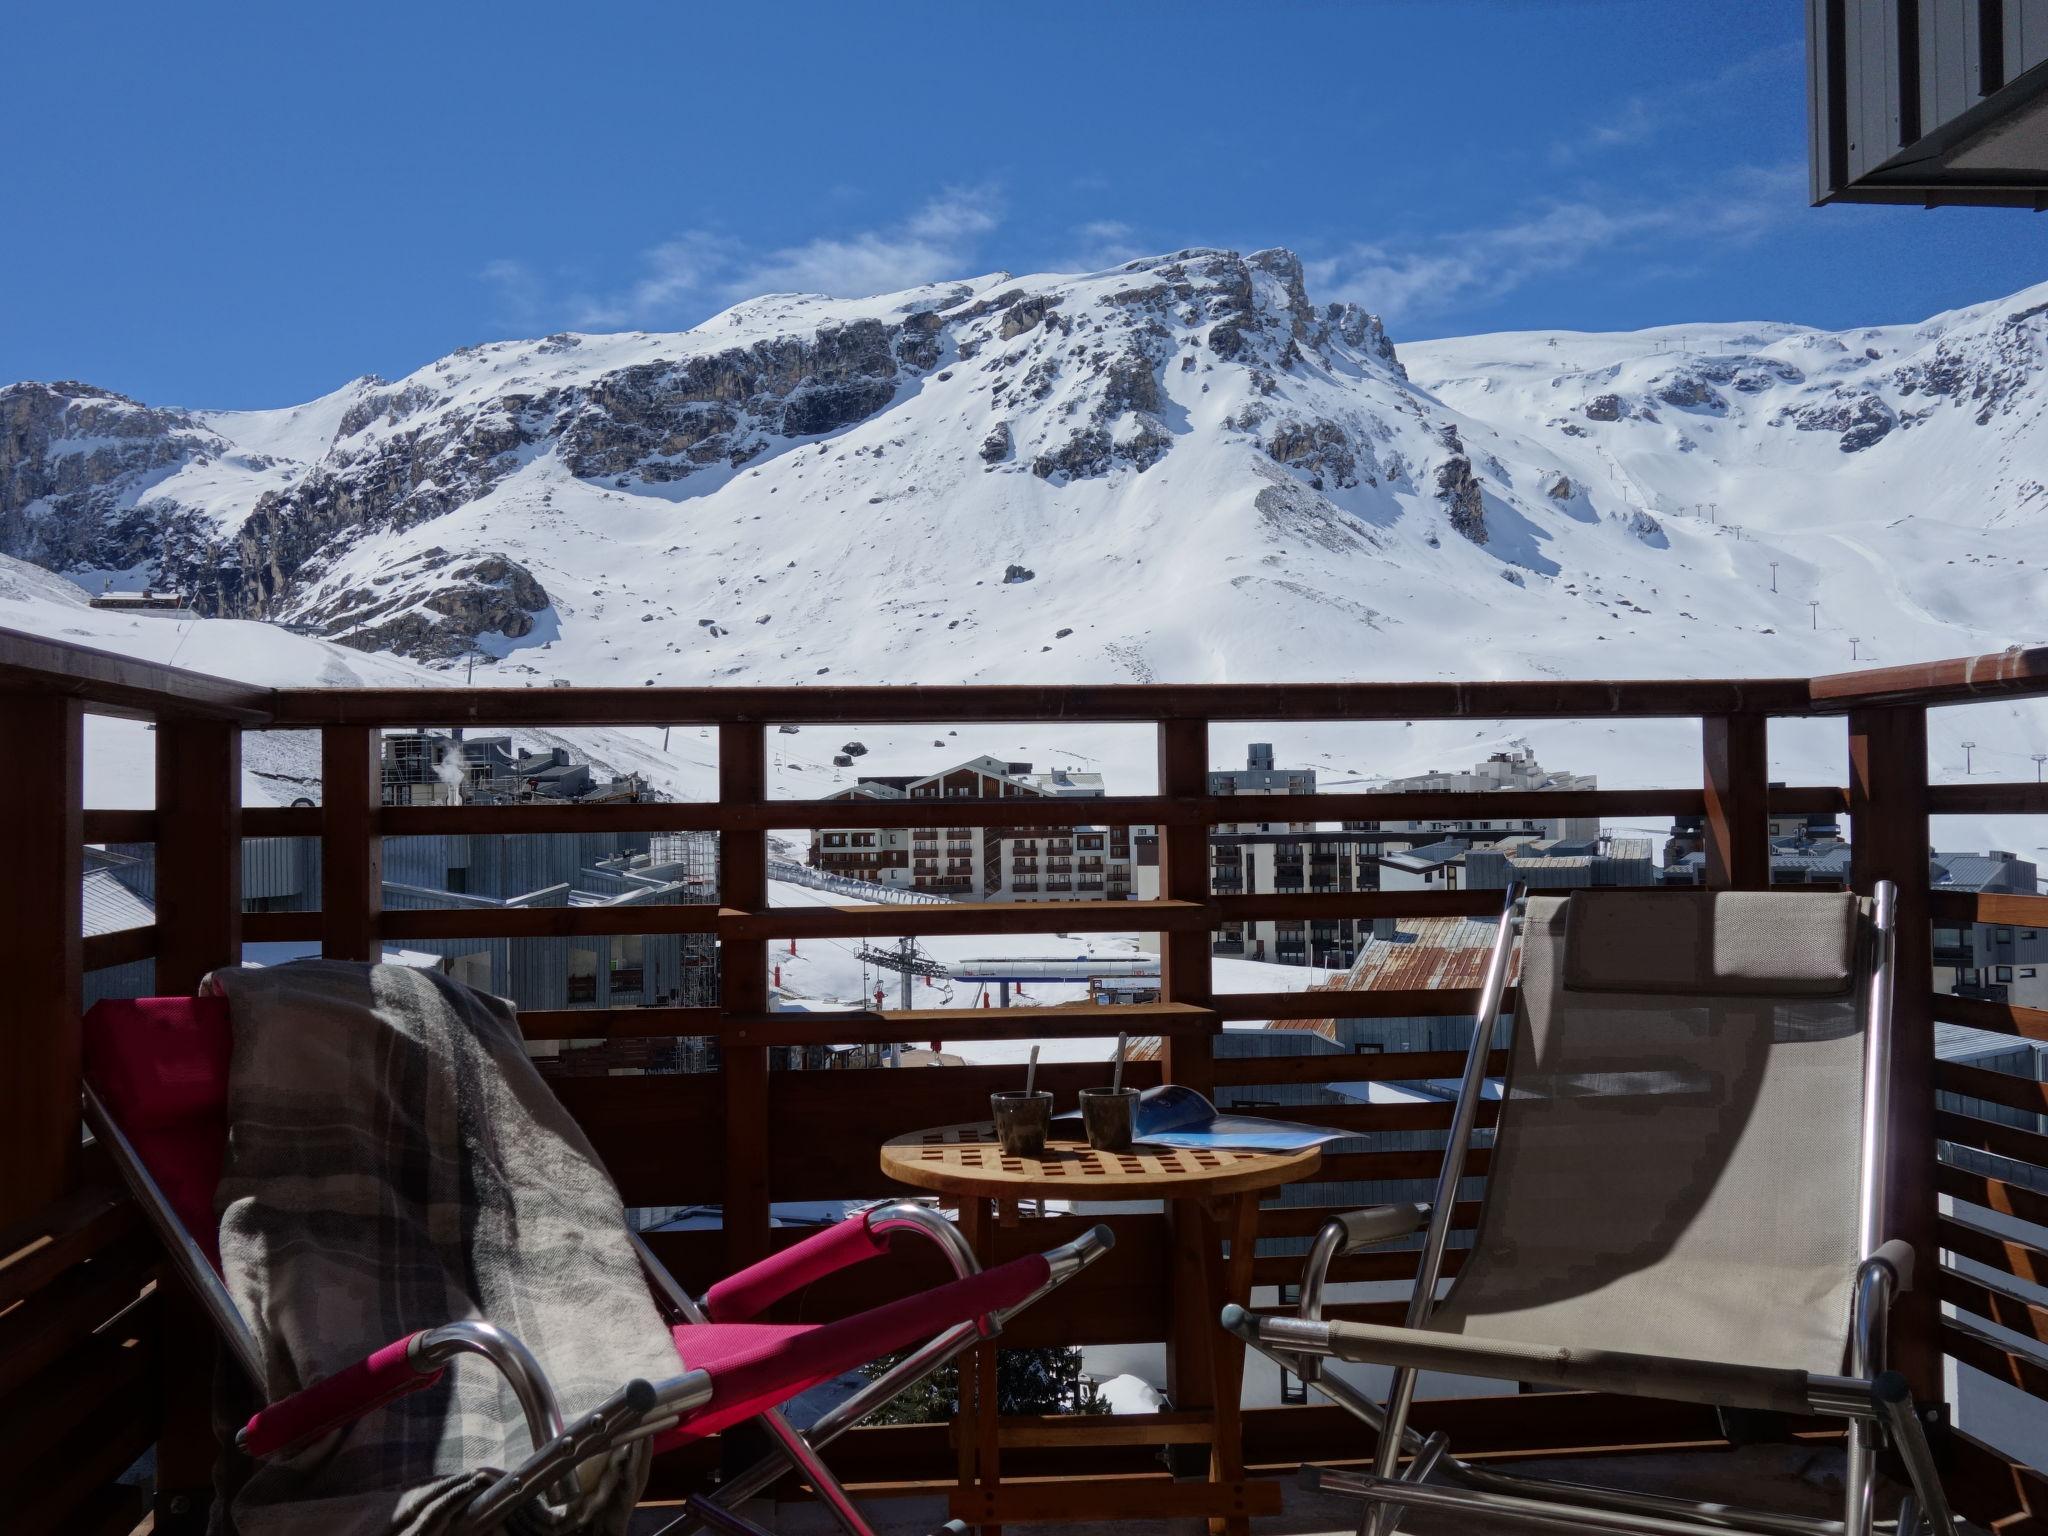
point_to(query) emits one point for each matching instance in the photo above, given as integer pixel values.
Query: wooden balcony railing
(81, 1329)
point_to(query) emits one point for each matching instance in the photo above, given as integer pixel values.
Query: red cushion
(160, 1065)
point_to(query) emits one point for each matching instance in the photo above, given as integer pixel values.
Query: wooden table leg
(980, 1420)
(1238, 1217)
(1190, 1372)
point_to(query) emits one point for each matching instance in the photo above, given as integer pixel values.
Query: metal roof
(110, 906)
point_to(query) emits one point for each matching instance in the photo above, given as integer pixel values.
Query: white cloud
(1099, 245)
(1403, 280)
(1638, 118)
(700, 270)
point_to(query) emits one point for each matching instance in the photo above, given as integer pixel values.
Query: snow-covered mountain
(1182, 469)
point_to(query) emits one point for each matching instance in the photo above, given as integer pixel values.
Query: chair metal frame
(639, 1409)
(1876, 1402)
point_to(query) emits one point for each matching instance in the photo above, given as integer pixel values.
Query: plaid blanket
(396, 1163)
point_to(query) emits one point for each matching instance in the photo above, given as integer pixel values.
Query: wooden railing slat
(1999, 1018)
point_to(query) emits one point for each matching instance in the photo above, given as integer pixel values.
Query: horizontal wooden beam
(1350, 1003)
(545, 922)
(2019, 1258)
(616, 1023)
(1332, 906)
(121, 947)
(1973, 1347)
(1989, 907)
(64, 1233)
(1541, 698)
(1065, 1021)
(1030, 812)
(2002, 674)
(1345, 1067)
(889, 920)
(2007, 1199)
(280, 927)
(2004, 1088)
(1991, 1489)
(1995, 1304)
(1992, 1136)
(120, 826)
(111, 684)
(1999, 1018)
(283, 820)
(1988, 799)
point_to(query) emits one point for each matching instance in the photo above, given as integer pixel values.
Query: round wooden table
(1212, 1201)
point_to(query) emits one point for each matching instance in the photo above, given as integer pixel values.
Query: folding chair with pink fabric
(156, 1095)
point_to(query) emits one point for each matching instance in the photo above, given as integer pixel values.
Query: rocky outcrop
(1319, 450)
(1689, 392)
(1607, 408)
(1464, 501)
(996, 447)
(76, 468)
(433, 607)
(1862, 419)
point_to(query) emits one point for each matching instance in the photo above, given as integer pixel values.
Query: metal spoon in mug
(1116, 1080)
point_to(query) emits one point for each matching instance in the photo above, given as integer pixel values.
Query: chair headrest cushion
(1711, 943)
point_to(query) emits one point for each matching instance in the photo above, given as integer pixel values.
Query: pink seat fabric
(758, 1366)
(759, 1286)
(160, 1065)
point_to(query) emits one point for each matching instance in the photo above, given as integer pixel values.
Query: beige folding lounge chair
(1684, 1202)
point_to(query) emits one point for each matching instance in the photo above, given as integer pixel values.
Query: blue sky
(232, 205)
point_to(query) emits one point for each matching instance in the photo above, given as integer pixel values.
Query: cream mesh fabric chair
(1683, 1202)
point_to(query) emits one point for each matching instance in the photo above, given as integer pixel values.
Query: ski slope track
(1181, 470)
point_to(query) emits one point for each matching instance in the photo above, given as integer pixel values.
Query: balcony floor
(1794, 1479)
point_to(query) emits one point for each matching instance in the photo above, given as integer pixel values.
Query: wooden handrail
(1137, 703)
(2020, 670)
(113, 684)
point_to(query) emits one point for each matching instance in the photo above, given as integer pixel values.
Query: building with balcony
(982, 863)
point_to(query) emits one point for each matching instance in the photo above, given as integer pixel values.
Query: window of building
(1368, 1048)
(2028, 973)
(2004, 935)
(2005, 973)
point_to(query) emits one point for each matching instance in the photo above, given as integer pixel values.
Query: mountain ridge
(1311, 497)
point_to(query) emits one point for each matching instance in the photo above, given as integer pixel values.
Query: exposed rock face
(1690, 392)
(1463, 500)
(996, 446)
(74, 467)
(1644, 526)
(1321, 450)
(1558, 487)
(489, 596)
(1861, 419)
(1606, 408)
(1989, 378)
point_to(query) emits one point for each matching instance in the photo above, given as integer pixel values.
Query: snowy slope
(1207, 476)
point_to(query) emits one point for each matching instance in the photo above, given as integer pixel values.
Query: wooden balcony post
(1736, 773)
(1185, 972)
(42, 827)
(1185, 976)
(743, 993)
(198, 851)
(1889, 841)
(351, 847)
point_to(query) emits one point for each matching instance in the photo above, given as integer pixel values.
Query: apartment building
(1082, 863)
(1512, 770)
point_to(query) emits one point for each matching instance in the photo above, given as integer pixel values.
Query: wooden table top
(967, 1160)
